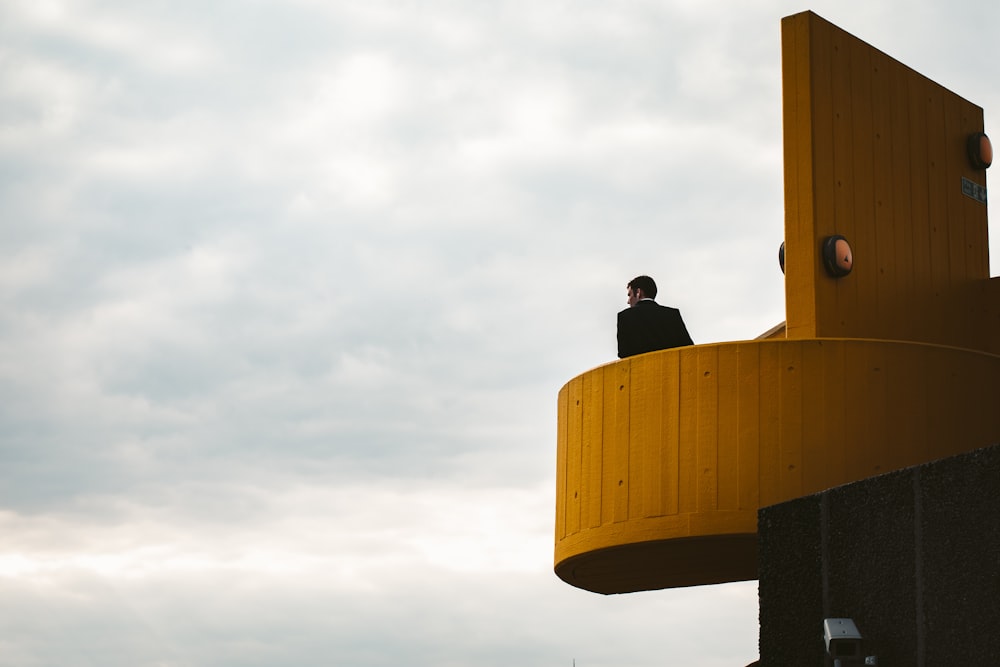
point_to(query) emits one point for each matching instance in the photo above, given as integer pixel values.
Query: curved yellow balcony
(664, 458)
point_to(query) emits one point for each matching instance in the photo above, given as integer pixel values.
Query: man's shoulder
(646, 305)
(660, 308)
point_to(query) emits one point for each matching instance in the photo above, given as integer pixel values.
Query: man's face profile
(633, 296)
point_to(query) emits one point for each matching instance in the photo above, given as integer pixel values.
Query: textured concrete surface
(913, 557)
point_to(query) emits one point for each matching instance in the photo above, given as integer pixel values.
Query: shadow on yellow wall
(887, 360)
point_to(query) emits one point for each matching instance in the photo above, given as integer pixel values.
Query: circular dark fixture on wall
(781, 256)
(980, 150)
(838, 258)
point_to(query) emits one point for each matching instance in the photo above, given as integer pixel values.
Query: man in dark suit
(646, 325)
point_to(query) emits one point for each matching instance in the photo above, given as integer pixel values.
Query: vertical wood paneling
(800, 416)
(958, 270)
(854, 402)
(797, 105)
(790, 420)
(593, 448)
(769, 424)
(708, 427)
(815, 417)
(825, 125)
(864, 408)
(987, 401)
(858, 292)
(807, 414)
(974, 215)
(937, 205)
(643, 431)
(938, 379)
(561, 460)
(728, 465)
(884, 150)
(970, 295)
(670, 409)
(838, 388)
(907, 411)
(886, 295)
(977, 227)
(903, 313)
(920, 212)
(616, 429)
(876, 406)
(574, 453)
(955, 163)
(837, 299)
(952, 402)
(748, 414)
(687, 450)
(647, 441)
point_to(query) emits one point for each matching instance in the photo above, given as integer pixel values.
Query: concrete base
(913, 557)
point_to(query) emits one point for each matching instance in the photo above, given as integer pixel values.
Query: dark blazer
(648, 326)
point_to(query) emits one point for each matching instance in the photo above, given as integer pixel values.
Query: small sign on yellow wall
(973, 190)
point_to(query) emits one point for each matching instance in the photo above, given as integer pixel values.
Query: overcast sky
(288, 291)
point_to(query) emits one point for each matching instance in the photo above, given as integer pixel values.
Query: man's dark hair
(644, 283)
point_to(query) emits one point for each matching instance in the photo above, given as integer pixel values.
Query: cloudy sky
(288, 290)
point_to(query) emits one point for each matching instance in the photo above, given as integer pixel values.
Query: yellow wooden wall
(876, 152)
(687, 444)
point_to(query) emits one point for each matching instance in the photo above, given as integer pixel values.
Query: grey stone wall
(913, 557)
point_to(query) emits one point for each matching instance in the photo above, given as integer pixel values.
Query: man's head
(641, 287)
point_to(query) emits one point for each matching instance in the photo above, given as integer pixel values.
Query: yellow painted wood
(707, 429)
(861, 394)
(562, 439)
(876, 152)
(645, 397)
(984, 306)
(746, 396)
(593, 453)
(687, 422)
(574, 455)
(856, 298)
(728, 461)
(816, 417)
(799, 97)
(616, 439)
(670, 416)
(769, 424)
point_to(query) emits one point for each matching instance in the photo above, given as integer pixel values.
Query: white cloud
(156, 40)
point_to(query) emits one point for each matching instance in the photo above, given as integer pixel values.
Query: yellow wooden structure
(664, 458)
